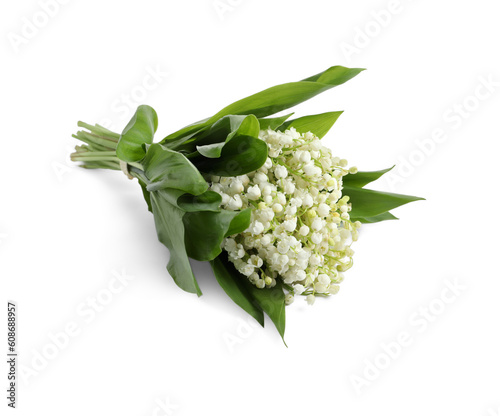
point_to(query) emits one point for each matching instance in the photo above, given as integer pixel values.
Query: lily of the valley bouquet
(260, 198)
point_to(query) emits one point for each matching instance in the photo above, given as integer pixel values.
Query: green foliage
(368, 204)
(167, 168)
(275, 99)
(139, 131)
(249, 297)
(187, 215)
(361, 179)
(318, 124)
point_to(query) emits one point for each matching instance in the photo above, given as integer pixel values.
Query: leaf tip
(284, 342)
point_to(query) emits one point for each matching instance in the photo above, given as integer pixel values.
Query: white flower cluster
(300, 230)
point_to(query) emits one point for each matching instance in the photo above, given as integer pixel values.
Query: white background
(66, 232)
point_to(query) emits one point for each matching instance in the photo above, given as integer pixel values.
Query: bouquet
(260, 198)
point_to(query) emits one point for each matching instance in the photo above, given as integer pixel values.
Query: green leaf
(281, 97)
(187, 132)
(205, 231)
(210, 139)
(277, 98)
(272, 302)
(207, 201)
(210, 143)
(230, 281)
(140, 130)
(318, 124)
(145, 194)
(170, 230)
(370, 220)
(273, 123)
(211, 150)
(241, 155)
(367, 203)
(361, 179)
(229, 126)
(239, 223)
(167, 168)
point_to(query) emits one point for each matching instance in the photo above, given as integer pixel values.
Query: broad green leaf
(273, 123)
(145, 194)
(230, 281)
(187, 132)
(239, 223)
(281, 97)
(140, 130)
(207, 201)
(170, 230)
(171, 195)
(367, 203)
(318, 124)
(210, 140)
(370, 220)
(185, 144)
(143, 182)
(272, 302)
(361, 179)
(205, 231)
(167, 168)
(210, 143)
(211, 151)
(229, 126)
(277, 98)
(241, 155)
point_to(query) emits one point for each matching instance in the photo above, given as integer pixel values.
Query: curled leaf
(167, 168)
(140, 130)
(210, 143)
(241, 155)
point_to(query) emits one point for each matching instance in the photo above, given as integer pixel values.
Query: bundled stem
(99, 150)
